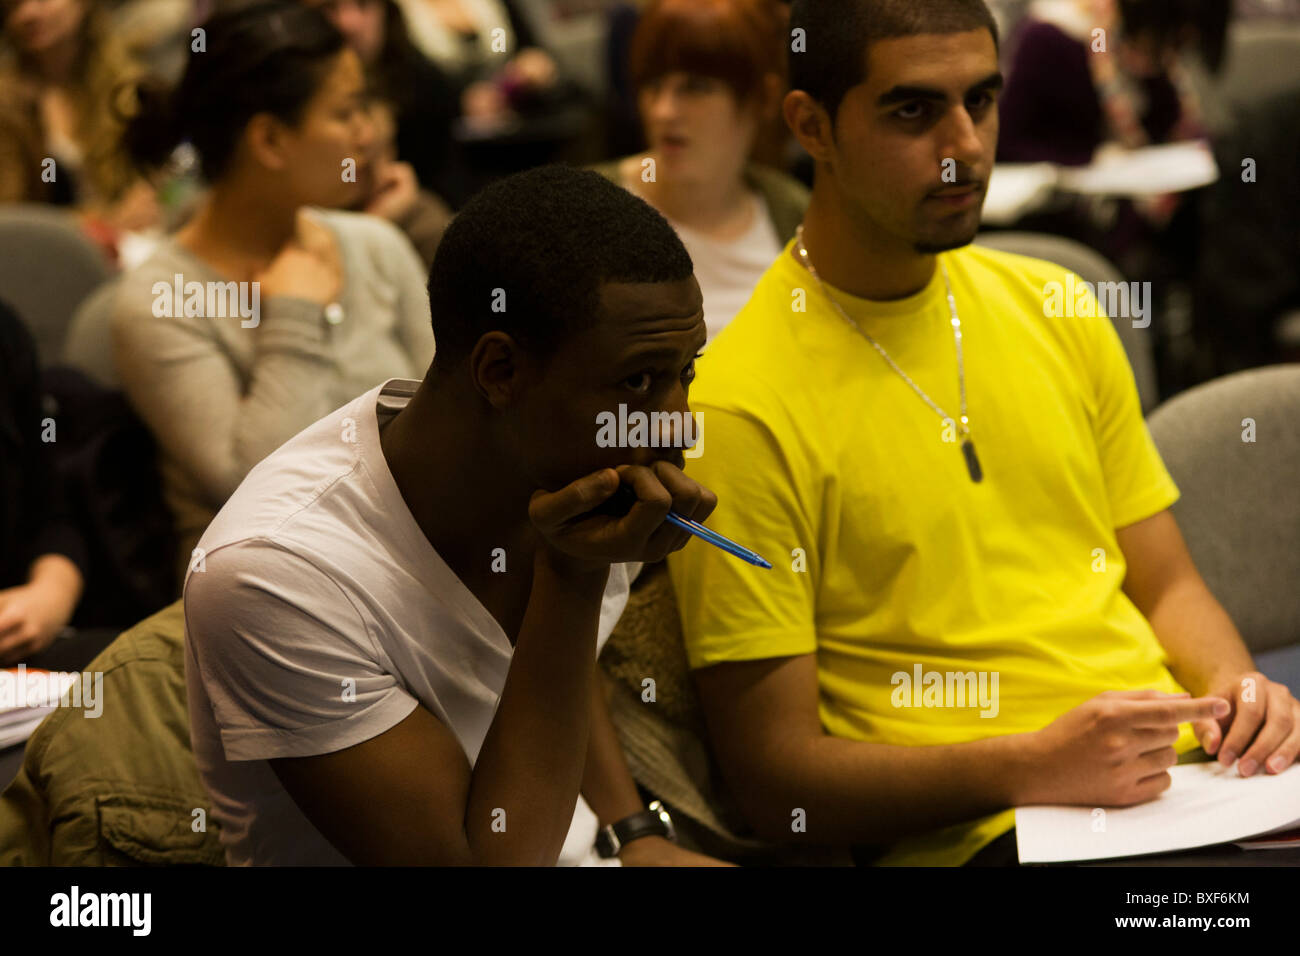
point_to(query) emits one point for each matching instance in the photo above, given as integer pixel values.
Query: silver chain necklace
(967, 443)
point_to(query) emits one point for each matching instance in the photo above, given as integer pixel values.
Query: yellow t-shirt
(886, 556)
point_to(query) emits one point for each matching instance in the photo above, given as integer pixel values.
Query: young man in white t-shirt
(392, 626)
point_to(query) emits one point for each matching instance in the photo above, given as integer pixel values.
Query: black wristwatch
(652, 822)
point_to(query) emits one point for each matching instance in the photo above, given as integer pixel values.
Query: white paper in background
(1017, 189)
(28, 696)
(1206, 804)
(1171, 168)
(18, 725)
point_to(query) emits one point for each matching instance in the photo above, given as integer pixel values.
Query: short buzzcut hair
(838, 32)
(528, 254)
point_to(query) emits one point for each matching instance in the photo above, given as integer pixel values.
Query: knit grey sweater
(219, 396)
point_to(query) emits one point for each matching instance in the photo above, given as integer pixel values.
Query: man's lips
(958, 197)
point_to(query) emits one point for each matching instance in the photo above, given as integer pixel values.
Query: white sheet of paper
(1206, 804)
(1171, 168)
(19, 725)
(1017, 189)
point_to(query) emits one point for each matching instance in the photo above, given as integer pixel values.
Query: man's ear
(267, 140)
(496, 369)
(810, 123)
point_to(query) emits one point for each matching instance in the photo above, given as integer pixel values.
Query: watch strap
(611, 839)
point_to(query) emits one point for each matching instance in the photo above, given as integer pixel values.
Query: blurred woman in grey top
(263, 313)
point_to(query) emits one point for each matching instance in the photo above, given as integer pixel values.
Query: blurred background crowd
(321, 148)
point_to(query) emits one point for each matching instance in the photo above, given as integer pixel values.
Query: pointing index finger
(1163, 713)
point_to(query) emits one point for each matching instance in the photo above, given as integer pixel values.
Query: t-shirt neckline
(867, 311)
(434, 573)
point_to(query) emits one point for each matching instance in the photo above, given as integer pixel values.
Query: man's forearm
(607, 784)
(532, 760)
(862, 793)
(1199, 637)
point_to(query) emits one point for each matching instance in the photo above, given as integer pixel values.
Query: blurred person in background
(1071, 91)
(1068, 94)
(275, 109)
(709, 74)
(391, 190)
(42, 554)
(61, 78)
(425, 101)
(1089, 78)
(496, 72)
(78, 553)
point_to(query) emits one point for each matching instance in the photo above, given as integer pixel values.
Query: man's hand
(1114, 750)
(1262, 726)
(582, 539)
(657, 851)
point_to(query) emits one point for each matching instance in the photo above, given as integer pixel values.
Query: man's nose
(678, 428)
(962, 140)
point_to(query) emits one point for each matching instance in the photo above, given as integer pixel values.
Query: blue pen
(622, 500)
(715, 539)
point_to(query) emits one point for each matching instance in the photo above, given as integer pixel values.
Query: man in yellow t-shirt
(979, 598)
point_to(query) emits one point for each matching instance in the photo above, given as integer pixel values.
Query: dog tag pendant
(972, 460)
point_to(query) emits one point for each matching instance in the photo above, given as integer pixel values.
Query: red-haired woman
(710, 76)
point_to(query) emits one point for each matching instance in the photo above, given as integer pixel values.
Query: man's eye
(688, 373)
(982, 101)
(645, 380)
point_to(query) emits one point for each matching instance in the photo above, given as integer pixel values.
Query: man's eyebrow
(909, 94)
(994, 81)
(653, 352)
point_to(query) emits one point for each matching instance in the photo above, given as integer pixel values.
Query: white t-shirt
(728, 270)
(318, 616)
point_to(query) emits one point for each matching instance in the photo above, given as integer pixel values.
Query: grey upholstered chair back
(1091, 266)
(1240, 509)
(47, 267)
